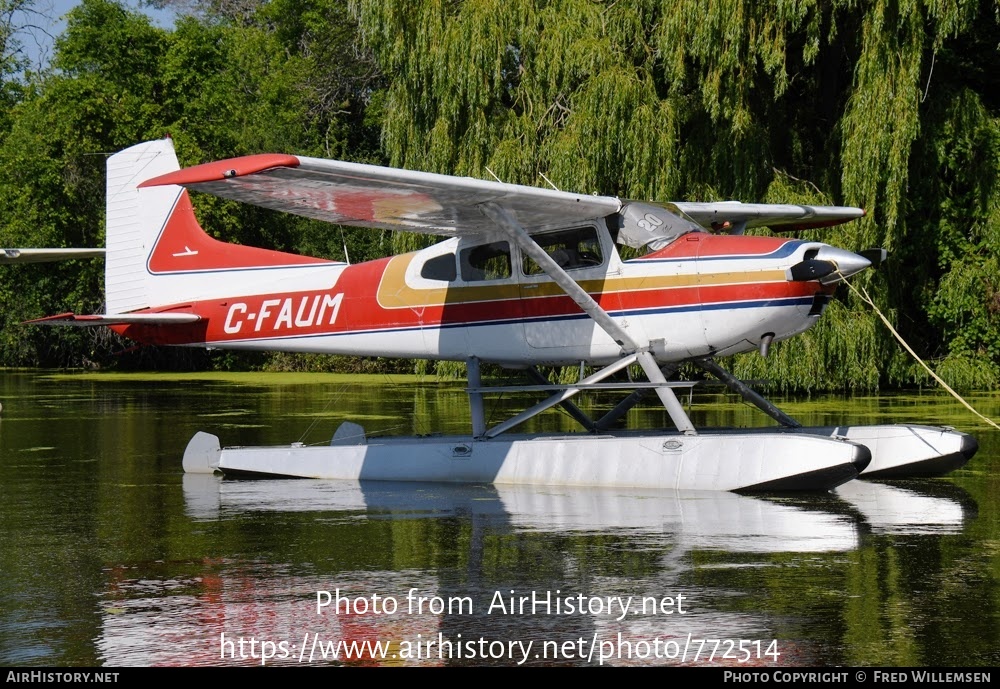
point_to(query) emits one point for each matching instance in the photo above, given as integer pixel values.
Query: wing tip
(220, 170)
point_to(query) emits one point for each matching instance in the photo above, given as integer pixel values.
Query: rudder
(132, 227)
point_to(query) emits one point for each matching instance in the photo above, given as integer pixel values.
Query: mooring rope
(865, 297)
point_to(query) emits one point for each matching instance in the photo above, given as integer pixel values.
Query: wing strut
(506, 221)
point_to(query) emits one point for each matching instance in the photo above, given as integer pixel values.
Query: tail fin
(157, 252)
(132, 226)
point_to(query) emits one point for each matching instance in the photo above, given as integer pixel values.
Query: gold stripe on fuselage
(394, 293)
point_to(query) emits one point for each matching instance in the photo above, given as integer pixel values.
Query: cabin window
(439, 268)
(570, 249)
(486, 262)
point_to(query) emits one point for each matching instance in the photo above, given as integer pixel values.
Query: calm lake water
(111, 556)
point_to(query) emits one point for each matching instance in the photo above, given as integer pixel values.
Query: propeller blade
(876, 256)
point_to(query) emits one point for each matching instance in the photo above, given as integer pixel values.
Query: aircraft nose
(847, 262)
(828, 264)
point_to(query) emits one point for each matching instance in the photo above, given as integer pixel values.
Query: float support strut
(571, 408)
(476, 398)
(749, 394)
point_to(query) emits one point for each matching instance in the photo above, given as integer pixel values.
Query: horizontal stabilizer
(72, 319)
(46, 255)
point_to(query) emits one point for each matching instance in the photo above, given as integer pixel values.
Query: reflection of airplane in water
(182, 622)
(667, 524)
(692, 519)
(698, 519)
(238, 613)
(910, 507)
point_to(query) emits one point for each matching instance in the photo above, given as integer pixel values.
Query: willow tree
(886, 104)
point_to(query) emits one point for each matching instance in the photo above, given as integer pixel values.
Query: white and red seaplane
(528, 276)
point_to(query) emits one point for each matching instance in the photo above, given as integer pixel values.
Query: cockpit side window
(486, 262)
(439, 268)
(570, 249)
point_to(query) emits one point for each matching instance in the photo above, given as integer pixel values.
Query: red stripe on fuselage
(352, 306)
(677, 297)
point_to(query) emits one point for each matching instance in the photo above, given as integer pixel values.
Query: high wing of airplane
(526, 276)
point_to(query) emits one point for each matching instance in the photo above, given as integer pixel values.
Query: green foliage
(322, 363)
(849, 337)
(966, 304)
(890, 105)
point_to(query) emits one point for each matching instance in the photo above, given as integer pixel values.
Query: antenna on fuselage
(549, 181)
(542, 174)
(347, 257)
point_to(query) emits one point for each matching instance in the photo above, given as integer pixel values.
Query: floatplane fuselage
(527, 276)
(702, 295)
